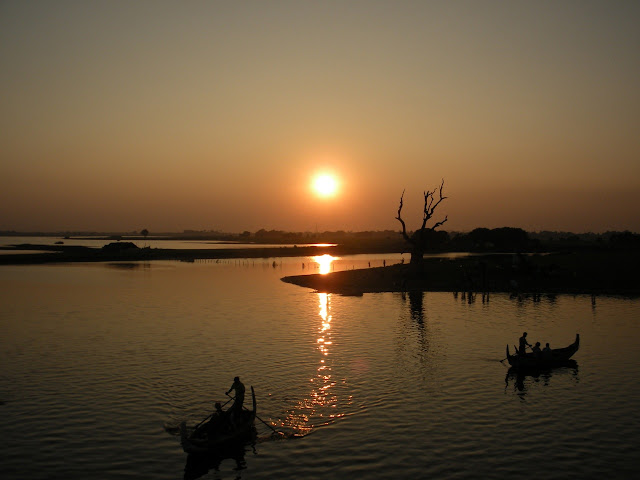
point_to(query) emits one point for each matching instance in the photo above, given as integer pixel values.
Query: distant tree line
(505, 239)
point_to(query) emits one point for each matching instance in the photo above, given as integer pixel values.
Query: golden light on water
(324, 339)
(321, 407)
(324, 262)
(323, 381)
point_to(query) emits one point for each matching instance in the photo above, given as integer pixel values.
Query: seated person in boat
(536, 350)
(238, 386)
(546, 353)
(523, 344)
(216, 423)
(219, 420)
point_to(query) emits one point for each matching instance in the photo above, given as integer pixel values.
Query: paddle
(274, 430)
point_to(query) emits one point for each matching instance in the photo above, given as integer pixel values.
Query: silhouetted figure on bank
(238, 386)
(523, 344)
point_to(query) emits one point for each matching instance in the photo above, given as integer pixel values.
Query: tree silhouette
(419, 239)
(144, 233)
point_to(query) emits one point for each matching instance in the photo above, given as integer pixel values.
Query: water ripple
(383, 386)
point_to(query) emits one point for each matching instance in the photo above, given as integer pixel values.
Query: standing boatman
(238, 386)
(522, 346)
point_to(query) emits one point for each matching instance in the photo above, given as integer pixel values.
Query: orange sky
(118, 116)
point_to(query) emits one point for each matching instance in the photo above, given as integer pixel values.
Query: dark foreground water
(100, 362)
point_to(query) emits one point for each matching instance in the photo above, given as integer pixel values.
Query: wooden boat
(557, 358)
(207, 438)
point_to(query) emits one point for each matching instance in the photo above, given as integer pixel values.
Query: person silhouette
(218, 420)
(238, 386)
(523, 344)
(536, 349)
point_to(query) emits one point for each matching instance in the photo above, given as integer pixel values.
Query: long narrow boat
(241, 429)
(557, 358)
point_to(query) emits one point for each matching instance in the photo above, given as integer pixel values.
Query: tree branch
(430, 205)
(437, 224)
(399, 218)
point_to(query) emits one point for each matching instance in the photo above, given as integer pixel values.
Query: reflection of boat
(199, 464)
(238, 431)
(520, 375)
(536, 372)
(557, 358)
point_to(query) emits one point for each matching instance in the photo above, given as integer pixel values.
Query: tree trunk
(417, 241)
(417, 257)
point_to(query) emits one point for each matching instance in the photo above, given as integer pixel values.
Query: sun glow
(324, 262)
(325, 185)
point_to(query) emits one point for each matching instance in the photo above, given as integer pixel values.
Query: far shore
(598, 272)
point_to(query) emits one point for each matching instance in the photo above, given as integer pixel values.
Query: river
(100, 363)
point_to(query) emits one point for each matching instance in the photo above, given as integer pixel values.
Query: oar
(205, 419)
(274, 430)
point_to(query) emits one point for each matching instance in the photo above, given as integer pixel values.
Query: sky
(117, 116)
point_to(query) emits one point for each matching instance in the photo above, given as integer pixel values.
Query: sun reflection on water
(321, 406)
(324, 262)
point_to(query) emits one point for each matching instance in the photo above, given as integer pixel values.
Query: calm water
(100, 362)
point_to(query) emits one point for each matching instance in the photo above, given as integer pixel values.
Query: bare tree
(418, 240)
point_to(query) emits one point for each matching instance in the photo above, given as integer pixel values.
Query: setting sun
(325, 185)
